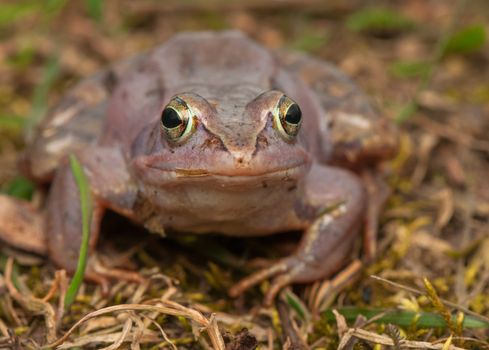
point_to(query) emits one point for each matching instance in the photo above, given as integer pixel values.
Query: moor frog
(209, 133)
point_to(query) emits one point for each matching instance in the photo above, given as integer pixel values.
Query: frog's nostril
(241, 158)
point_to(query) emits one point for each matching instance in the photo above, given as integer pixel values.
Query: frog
(210, 132)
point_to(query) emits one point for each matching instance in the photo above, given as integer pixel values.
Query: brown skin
(234, 166)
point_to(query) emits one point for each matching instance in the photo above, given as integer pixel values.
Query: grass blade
(404, 318)
(86, 212)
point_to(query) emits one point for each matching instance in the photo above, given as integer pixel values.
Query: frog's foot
(326, 244)
(303, 267)
(21, 225)
(100, 273)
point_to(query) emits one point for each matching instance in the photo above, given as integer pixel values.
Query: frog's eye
(287, 118)
(177, 121)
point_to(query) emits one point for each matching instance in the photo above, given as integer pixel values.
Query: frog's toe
(286, 271)
(297, 268)
(98, 267)
(98, 272)
(277, 284)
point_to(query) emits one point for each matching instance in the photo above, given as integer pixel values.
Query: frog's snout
(242, 157)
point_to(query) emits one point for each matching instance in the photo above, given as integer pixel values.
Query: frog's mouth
(161, 177)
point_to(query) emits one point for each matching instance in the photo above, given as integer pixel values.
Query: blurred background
(424, 63)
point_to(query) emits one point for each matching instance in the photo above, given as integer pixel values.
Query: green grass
(407, 69)
(310, 41)
(467, 40)
(11, 123)
(403, 318)
(86, 212)
(17, 11)
(95, 9)
(378, 20)
(20, 187)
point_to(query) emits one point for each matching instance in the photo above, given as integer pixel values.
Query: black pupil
(170, 118)
(294, 114)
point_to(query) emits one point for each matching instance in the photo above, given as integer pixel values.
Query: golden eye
(287, 118)
(177, 121)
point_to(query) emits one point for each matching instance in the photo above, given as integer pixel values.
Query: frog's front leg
(111, 188)
(338, 198)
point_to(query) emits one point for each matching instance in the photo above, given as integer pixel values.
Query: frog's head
(243, 138)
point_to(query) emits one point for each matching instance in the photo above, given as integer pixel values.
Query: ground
(425, 66)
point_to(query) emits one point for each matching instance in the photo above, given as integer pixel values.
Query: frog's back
(214, 59)
(75, 122)
(358, 134)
